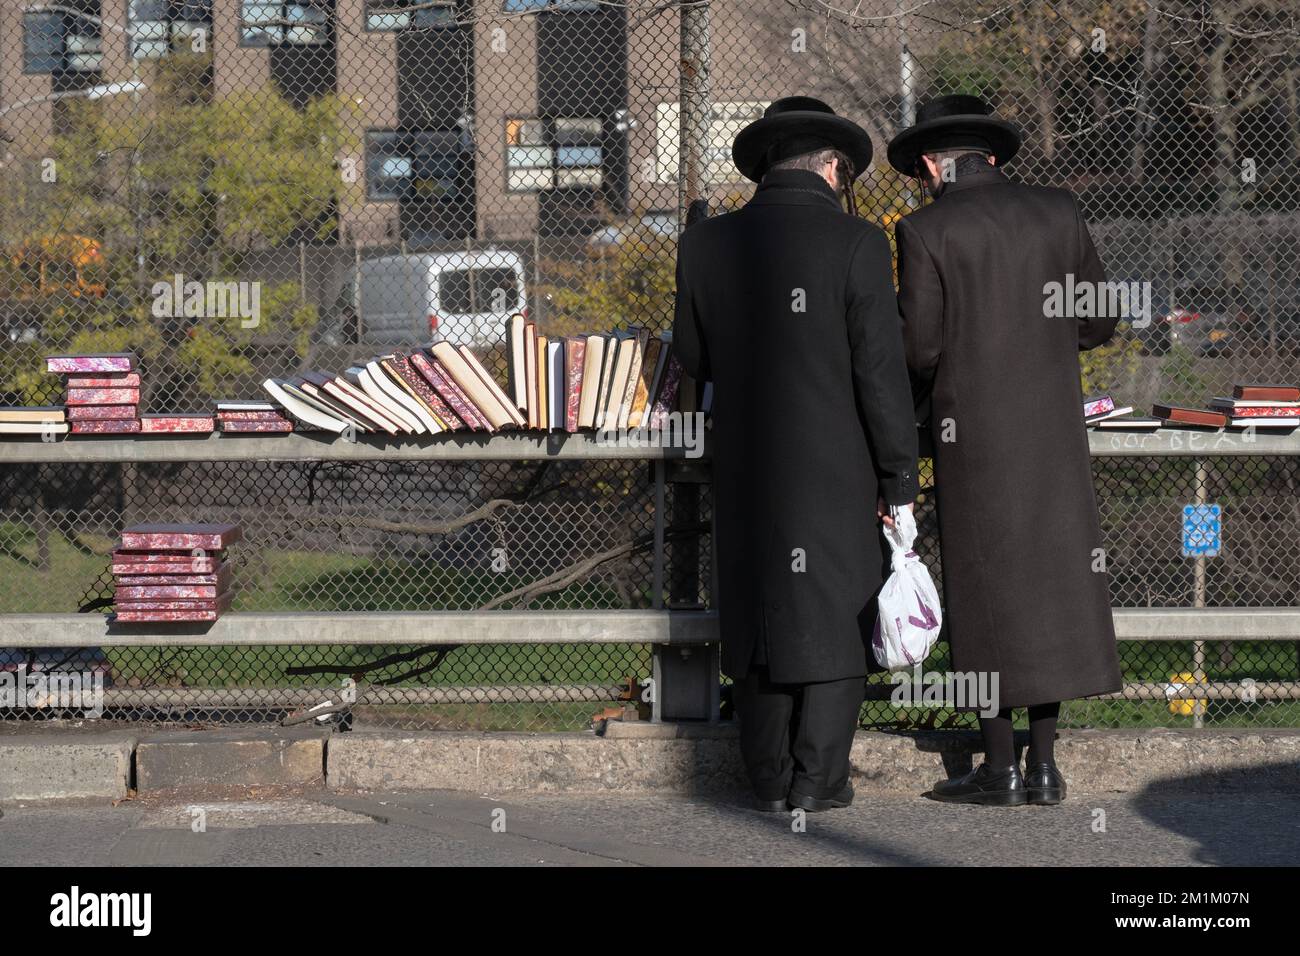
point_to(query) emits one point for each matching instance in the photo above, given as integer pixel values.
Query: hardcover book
(591, 365)
(96, 413)
(287, 395)
(110, 426)
(575, 358)
(33, 428)
(1267, 392)
(164, 591)
(542, 383)
(555, 384)
(103, 396)
(33, 413)
(102, 362)
(153, 424)
(119, 380)
(401, 364)
(515, 335)
(668, 389)
(1189, 416)
(442, 383)
(238, 426)
(180, 537)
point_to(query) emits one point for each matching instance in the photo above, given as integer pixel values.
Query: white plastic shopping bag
(907, 625)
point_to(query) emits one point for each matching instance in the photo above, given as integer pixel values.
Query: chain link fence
(370, 173)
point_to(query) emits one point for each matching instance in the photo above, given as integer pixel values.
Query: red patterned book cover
(103, 396)
(194, 604)
(157, 424)
(114, 426)
(575, 351)
(1259, 411)
(180, 537)
(129, 613)
(119, 380)
(250, 416)
(99, 413)
(264, 426)
(81, 364)
(667, 398)
(443, 384)
(221, 578)
(127, 556)
(164, 591)
(401, 364)
(189, 565)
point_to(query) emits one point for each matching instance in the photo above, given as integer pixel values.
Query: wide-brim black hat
(793, 126)
(951, 122)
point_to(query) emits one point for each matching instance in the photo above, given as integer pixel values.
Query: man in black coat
(788, 306)
(996, 374)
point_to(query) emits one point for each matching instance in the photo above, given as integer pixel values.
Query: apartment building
(482, 120)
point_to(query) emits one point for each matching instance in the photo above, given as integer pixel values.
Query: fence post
(694, 105)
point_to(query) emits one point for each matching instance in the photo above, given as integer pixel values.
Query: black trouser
(797, 736)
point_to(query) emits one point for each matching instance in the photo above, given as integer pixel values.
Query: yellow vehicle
(58, 265)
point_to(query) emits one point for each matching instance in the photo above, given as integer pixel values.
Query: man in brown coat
(995, 373)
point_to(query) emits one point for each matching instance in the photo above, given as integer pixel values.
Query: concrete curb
(58, 766)
(686, 759)
(264, 757)
(43, 763)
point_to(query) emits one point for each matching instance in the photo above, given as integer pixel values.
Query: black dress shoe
(801, 801)
(770, 806)
(1044, 783)
(985, 786)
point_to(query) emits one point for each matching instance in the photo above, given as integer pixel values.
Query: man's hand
(882, 512)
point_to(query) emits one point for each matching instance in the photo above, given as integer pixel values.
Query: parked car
(661, 224)
(414, 299)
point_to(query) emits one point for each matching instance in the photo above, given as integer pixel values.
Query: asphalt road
(458, 829)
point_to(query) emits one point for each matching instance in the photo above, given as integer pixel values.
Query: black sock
(999, 743)
(1042, 732)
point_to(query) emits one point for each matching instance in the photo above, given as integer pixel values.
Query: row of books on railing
(624, 379)
(1254, 406)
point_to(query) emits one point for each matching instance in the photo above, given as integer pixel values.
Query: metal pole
(1198, 600)
(694, 103)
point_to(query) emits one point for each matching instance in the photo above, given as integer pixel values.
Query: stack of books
(173, 572)
(1251, 406)
(1102, 412)
(1261, 406)
(33, 420)
(252, 417)
(103, 392)
(624, 379)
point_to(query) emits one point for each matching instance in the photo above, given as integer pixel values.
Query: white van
(413, 299)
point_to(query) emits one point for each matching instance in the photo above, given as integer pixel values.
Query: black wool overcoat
(1024, 581)
(788, 306)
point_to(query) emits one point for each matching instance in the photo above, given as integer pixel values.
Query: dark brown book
(1267, 393)
(1189, 416)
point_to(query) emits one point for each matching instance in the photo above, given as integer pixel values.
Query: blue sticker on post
(1202, 530)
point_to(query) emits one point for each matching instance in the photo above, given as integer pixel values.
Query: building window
(562, 153)
(429, 166)
(389, 15)
(66, 39)
(158, 26)
(728, 119)
(523, 6)
(282, 24)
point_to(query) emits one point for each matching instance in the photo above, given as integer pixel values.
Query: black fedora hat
(793, 126)
(951, 122)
